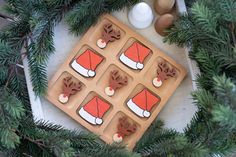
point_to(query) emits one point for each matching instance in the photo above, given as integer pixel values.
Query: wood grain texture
(138, 80)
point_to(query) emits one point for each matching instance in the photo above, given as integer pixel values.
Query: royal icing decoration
(116, 81)
(69, 88)
(163, 73)
(94, 110)
(124, 128)
(87, 63)
(108, 35)
(135, 55)
(142, 103)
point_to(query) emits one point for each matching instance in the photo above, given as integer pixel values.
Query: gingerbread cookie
(135, 55)
(108, 35)
(94, 110)
(124, 128)
(115, 82)
(69, 88)
(87, 63)
(163, 73)
(142, 103)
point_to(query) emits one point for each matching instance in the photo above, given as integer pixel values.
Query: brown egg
(163, 6)
(164, 22)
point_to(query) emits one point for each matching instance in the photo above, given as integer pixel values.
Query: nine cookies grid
(137, 80)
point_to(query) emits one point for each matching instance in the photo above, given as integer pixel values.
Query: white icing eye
(157, 82)
(109, 91)
(63, 99)
(102, 44)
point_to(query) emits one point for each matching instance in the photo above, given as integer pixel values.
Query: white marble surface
(177, 112)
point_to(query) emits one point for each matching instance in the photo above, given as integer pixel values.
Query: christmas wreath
(208, 30)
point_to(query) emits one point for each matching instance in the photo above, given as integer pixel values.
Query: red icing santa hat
(94, 110)
(87, 63)
(142, 103)
(135, 55)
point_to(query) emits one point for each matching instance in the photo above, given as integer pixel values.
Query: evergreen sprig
(11, 111)
(208, 30)
(86, 12)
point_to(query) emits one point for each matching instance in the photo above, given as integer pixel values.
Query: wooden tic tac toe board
(103, 98)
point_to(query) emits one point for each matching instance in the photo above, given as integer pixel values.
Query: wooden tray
(95, 86)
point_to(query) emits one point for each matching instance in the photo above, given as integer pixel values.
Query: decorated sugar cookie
(163, 73)
(69, 88)
(135, 55)
(87, 63)
(115, 82)
(108, 35)
(124, 128)
(94, 110)
(142, 103)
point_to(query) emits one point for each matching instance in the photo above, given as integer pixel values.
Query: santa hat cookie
(94, 110)
(142, 103)
(87, 63)
(135, 55)
(163, 73)
(108, 35)
(69, 88)
(116, 81)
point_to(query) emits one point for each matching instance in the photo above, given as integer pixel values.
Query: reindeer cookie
(125, 128)
(163, 73)
(69, 88)
(108, 35)
(115, 82)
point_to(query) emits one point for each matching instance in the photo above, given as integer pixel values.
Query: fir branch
(8, 55)
(161, 142)
(204, 100)
(15, 34)
(225, 116)
(86, 12)
(38, 75)
(150, 136)
(104, 150)
(11, 111)
(225, 91)
(205, 18)
(3, 74)
(227, 9)
(207, 64)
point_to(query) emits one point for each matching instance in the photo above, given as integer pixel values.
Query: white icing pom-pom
(117, 138)
(91, 73)
(157, 82)
(109, 91)
(146, 113)
(63, 99)
(98, 121)
(139, 65)
(102, 44)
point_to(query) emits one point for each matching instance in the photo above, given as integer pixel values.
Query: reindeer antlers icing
(69, 88)
(125, 128)
(116, 81)
(108, 35)
(163, 73)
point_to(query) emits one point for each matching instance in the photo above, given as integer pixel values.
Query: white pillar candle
(141, 16)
